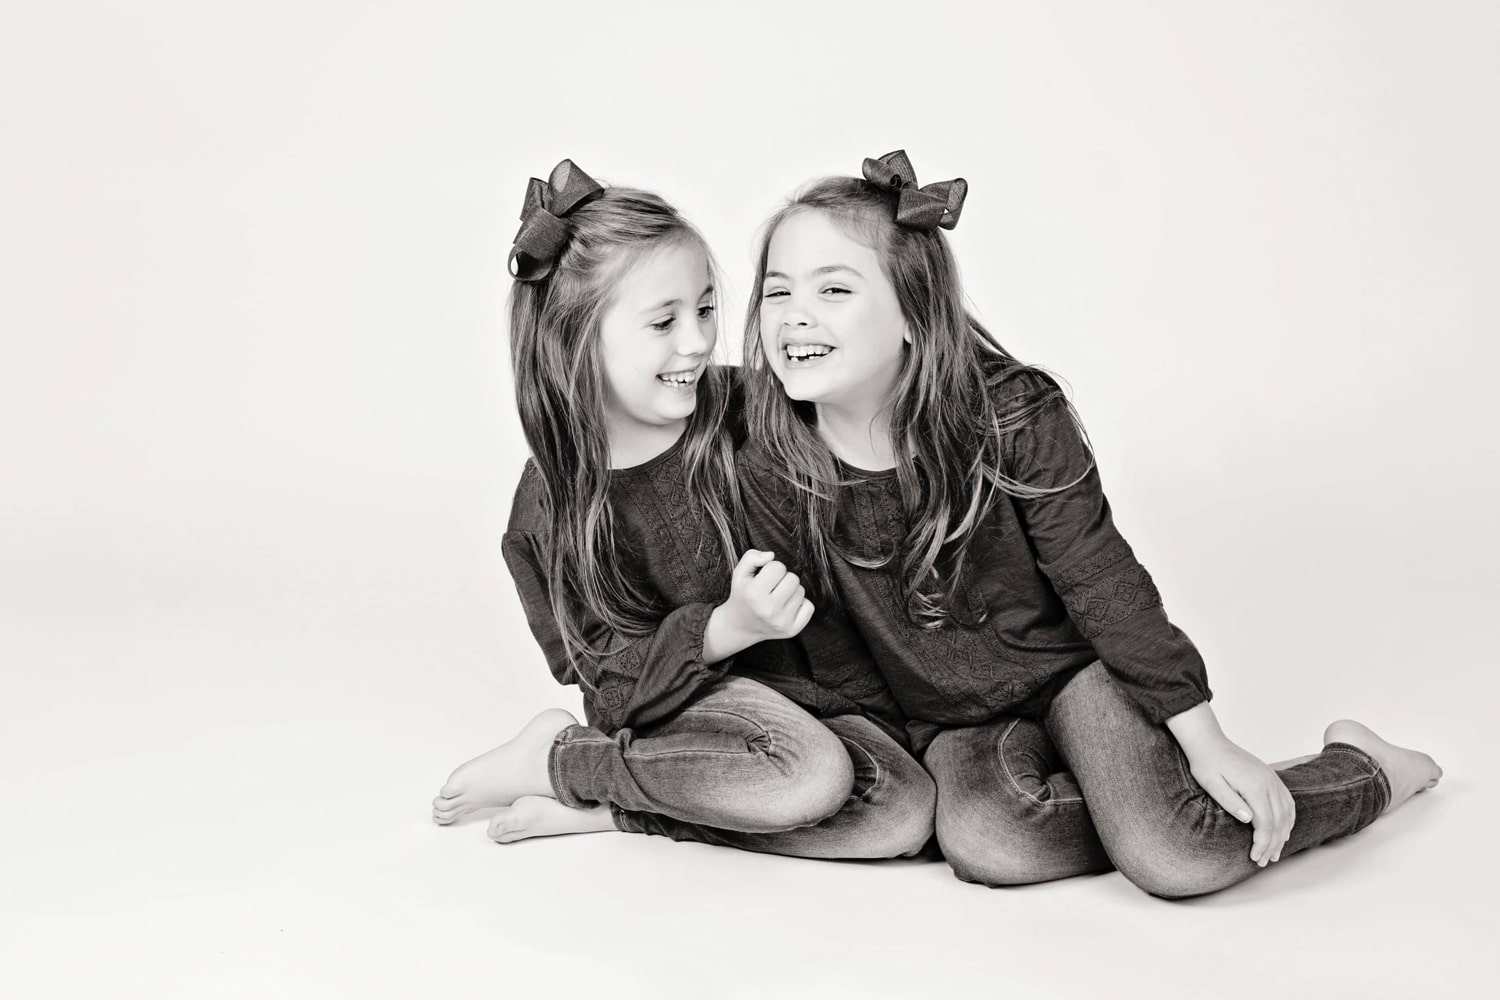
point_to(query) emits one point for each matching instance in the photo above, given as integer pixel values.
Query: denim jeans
(1095, 783)
(742, 766)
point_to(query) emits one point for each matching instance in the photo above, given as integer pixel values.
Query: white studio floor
(216, 798)
(257, 448)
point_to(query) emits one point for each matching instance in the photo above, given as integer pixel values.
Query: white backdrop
(256, 435)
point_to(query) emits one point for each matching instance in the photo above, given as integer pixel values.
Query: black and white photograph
(793, 500)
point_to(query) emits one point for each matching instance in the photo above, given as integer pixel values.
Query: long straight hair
(950, 413)
(560, 393)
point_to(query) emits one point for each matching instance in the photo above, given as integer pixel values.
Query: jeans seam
(1376, 773)
(1382, 780)
(875, 764)
(1357, 754)
(1202, 799)
(696, 711)
(1334, 788)
(1000, 752)
(633, 754)
(554, 770)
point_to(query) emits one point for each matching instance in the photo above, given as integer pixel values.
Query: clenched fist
(766, 601)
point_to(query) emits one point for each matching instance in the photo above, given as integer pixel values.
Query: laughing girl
(945, 495)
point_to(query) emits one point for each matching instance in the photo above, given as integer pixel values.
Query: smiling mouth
(803, 355)
(680, 380)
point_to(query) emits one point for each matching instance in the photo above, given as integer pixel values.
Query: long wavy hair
(950, 409)
(560, 393)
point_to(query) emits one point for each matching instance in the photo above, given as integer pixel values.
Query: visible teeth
(807, 350)
(678, 378)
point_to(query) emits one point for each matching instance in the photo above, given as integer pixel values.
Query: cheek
(611, 360)
(893, 331)
(767, 333)
(622, 363)
(619, 388)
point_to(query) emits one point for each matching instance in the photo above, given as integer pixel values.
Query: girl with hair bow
(940, 500)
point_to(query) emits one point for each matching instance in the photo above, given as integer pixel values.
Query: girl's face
(830, 323)
(655, 340)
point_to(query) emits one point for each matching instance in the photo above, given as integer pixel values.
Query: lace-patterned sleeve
(1108, 593)
(645, 679)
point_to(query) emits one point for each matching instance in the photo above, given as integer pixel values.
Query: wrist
(723, 636)
(1197, 729)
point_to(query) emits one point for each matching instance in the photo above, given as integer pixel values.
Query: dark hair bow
(924, 208)
(544, 229)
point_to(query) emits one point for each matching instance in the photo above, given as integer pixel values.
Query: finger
(1285, 810)
(785, 610)
(1257, 797)
(1228, 798)
(752, 560)
(1291, 823)
(1265, 825)
(769, 576)
(784, 602)
(1289, 818)
(788, 585)
(1260, 816)
(804, 615)
(1282, 808)
(1273, 836)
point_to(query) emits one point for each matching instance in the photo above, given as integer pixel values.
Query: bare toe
(506, 827)
(543, 816)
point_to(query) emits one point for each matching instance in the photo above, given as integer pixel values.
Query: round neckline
(865, 473)
(672, 451)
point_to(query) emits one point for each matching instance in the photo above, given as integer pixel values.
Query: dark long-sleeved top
(828, 670)
(1049, 585)
(669, 545)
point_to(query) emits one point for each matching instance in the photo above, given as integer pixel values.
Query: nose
(796, 314)
(692, 339)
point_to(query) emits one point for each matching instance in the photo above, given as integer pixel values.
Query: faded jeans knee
(1005, 815)
(814, 780)
(906, 802)
(1198, 851)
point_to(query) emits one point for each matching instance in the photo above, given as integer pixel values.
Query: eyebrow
(674, 303)
(826, 269)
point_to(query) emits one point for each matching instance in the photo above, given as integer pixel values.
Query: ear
(906, 332)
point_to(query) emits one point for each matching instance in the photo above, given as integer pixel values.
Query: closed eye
(776, 293)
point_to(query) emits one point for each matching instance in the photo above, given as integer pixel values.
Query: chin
(670, 415)
(798, 386)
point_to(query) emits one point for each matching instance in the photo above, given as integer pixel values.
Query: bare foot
(1408, 771)
(541, 816)
(506, 773)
